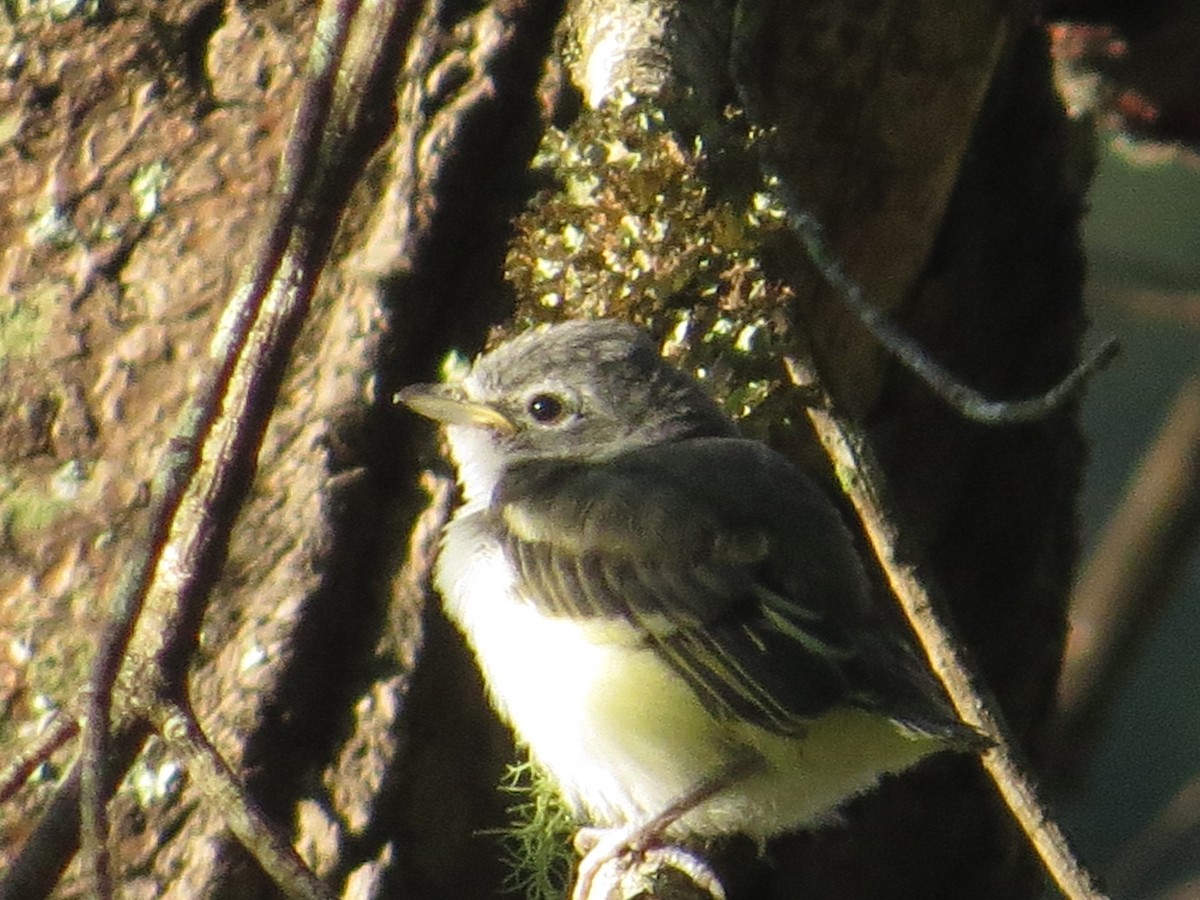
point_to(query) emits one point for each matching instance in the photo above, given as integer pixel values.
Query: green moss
(24, 511)
(28, 510)
(538, 843)
(25, 321)
(666, 231)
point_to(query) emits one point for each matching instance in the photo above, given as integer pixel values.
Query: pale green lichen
(537, 844)
(68, 479)
(146, 186)
(62, 10)
(52, 10)
(156, 778)
(11, 122)
(666, 231)
(25, 511)
(52, 227)
(25, 321)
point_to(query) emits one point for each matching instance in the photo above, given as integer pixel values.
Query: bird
(674, 619)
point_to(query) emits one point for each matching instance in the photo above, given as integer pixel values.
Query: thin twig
(1125, 586)
(197, 496)
(863, 482)
(55, 837)
(213, 778)
(61, 727)
(98, 760)
(967, 401)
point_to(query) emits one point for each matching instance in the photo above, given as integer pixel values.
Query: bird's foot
(622, 862)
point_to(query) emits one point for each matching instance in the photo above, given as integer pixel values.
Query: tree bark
(137, 163)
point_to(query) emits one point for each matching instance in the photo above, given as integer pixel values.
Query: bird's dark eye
(546, 408)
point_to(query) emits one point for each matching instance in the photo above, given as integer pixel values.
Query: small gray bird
(673, 618)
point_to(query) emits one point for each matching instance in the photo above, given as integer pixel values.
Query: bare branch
(58, 730)
(863, 482)
(179, 547)
(968, 402)
(54, 839)
(212, 455)
(215, 780)
(1125, 586)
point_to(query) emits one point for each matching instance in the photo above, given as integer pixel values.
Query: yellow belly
(623, 736)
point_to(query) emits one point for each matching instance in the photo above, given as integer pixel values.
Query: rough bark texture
(322, 672)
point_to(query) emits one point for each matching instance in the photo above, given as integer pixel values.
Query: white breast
(623, 735)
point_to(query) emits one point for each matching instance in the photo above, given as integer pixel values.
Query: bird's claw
(622, 862)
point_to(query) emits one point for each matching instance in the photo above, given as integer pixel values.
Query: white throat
(478, 460)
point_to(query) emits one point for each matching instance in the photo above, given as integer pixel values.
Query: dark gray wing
(732, 566)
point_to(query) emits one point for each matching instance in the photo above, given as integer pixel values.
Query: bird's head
(582, 391)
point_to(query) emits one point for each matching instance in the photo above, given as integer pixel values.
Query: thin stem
(61, 727)
(863, 482)
(55, 838)
(210, 774)
(97, 756)
(968, 402)
(1125, 586)
(194, 539)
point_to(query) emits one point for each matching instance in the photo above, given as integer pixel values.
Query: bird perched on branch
(673, 618)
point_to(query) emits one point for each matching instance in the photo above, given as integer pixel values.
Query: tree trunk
(137, 160)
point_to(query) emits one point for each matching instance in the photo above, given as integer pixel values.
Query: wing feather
(729, 563)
